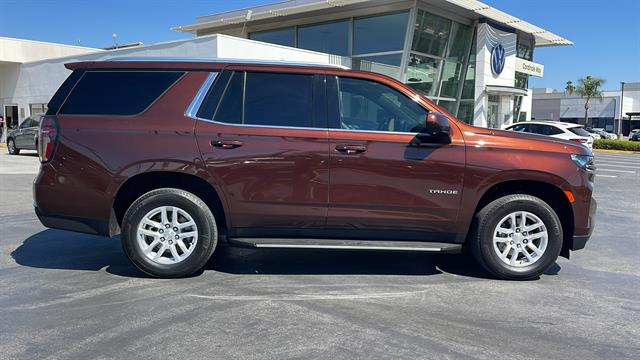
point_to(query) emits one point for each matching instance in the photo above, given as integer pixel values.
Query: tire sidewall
(554, 241)
(13, 150)
(205, 222)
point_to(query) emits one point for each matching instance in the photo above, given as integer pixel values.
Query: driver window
(368, 105)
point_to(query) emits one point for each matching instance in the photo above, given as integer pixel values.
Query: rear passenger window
(261, 98)
(117, 92)
(278, 99)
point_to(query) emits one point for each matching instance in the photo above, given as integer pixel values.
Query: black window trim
(317, 116)
(183, 74)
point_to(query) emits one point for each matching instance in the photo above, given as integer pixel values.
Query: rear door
(264, 141)
(382, 186)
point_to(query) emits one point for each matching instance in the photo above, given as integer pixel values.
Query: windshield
(579, 130)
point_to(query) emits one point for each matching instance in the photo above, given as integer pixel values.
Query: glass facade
(331, 38)
(435, 61)
(286, 36)
(439, 51)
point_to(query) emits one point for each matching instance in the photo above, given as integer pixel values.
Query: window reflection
(383, 64)
(379, 33)
(431, 34)
(331, 38)
(286, 36)
(422, 73)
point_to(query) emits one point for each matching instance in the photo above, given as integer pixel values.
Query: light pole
(621, 111)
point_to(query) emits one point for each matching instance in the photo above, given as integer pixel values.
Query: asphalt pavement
(75, 296)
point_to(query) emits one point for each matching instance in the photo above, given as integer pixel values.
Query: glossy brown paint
(293, 178)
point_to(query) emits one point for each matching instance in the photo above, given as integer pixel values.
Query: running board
(333, 244)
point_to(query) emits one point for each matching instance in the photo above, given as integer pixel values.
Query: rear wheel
(517, 237)
(169, 233)
(11, 147)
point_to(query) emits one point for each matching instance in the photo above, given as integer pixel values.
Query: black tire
(205, 221)
(11, 147)
(485, 222)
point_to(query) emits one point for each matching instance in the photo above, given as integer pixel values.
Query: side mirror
(436, 129)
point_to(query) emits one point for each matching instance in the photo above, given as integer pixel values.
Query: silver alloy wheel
(167, 235)
(520, 239)
(12, 146)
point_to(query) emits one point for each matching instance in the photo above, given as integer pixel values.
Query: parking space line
(606, 176)
(615, 170)
(624, 166)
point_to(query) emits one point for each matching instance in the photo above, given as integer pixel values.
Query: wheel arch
(142, 183)
(547, 192)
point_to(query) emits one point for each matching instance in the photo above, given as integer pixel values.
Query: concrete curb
(616, 151)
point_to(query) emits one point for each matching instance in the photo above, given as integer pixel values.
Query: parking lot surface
(68, 295)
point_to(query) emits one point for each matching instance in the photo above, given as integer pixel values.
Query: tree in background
(589, 88)
(570, 88)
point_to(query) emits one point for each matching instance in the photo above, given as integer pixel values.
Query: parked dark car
(25, 137)
(634, 135)
(180, 156)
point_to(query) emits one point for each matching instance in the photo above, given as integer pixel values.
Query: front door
(266, 148)
(493, 112)
(381, 185)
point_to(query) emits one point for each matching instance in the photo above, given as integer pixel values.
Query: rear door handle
(351, 149)
(226, 144)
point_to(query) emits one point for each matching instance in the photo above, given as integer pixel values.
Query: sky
(606, 33)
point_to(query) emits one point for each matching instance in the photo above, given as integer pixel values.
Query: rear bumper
(580, 241)
(70, 223)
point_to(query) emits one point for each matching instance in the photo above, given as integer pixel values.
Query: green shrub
(617, 145)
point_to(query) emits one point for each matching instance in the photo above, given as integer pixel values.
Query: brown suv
(181, 155)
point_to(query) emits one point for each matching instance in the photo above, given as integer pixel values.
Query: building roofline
(292, 7)
(49, 43)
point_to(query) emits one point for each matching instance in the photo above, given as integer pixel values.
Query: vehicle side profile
(25, 137)
(181, 156)
(560, 130)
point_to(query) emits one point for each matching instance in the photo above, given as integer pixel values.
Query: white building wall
(36, 82)
(20, 50)
(487, 38)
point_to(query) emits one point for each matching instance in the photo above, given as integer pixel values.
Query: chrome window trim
(227, 61)
(193, 108)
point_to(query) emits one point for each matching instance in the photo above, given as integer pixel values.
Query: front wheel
(516, 237)
(169, 233)
(11, 147)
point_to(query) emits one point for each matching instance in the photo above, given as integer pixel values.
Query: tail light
(48, 138)
(580, 140)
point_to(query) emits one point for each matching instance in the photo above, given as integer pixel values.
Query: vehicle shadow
(57, 249)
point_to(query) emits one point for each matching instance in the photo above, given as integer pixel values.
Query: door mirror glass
(436, 130)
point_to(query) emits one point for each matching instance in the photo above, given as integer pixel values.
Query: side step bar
(345, 244)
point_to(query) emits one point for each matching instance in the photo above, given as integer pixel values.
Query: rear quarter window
(579, 131)
(117, 92)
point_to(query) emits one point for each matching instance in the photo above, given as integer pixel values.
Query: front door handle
(226, 144)
(351, 149)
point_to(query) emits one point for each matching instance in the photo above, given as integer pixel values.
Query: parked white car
(561, 130)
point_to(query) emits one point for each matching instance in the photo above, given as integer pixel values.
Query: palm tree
(570, 88)
(589, 88)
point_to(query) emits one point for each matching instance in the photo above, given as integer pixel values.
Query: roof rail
(230, 61)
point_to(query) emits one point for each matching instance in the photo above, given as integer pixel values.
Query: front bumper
(580, 241)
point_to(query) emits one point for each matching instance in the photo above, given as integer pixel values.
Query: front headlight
(584, 162)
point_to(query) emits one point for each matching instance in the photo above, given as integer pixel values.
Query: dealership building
(470, 58)
(618, 111)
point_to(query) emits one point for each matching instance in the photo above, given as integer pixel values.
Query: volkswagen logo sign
(497, 59)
